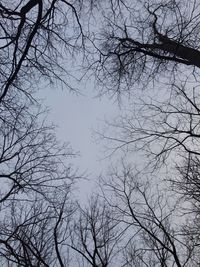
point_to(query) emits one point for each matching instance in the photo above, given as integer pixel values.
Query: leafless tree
(34, 37)
(36, 234)
(143, 41)
(155, 44)
(163, 128)
(96, 236)
(35, 175)
(36, 181)
(153, 236)
(31, 159)
(140, 45)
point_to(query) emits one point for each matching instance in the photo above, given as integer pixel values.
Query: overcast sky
(77, 116)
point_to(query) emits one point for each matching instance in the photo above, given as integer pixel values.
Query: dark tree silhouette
(35, 234)
(144, 41)
(96, 236)
(154, 45)
(151, 237)
(140, 45)
(36, 178)
(36, 182)
(34, 36)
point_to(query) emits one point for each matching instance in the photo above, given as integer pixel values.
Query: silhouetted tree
(146, 41)
(96, 236)
(36, 181)
(151, 234)
(34, 36)
(155, 45)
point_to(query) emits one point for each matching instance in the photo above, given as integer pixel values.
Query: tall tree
(34, 36)
(154, 45)
(36, 184)
(96, 236)
(146, 40)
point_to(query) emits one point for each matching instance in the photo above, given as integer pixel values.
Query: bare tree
(140, 44)
(36, 234)
(155, 43)
(36, 178)
(31, 159)
(34, 36)
(163, 128)
(36, 182)
(146, 40)
(153, 237)
(96, 236)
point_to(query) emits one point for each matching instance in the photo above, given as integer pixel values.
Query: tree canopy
(143, 214)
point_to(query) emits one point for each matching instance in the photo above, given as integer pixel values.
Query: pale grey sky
(77, 116)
